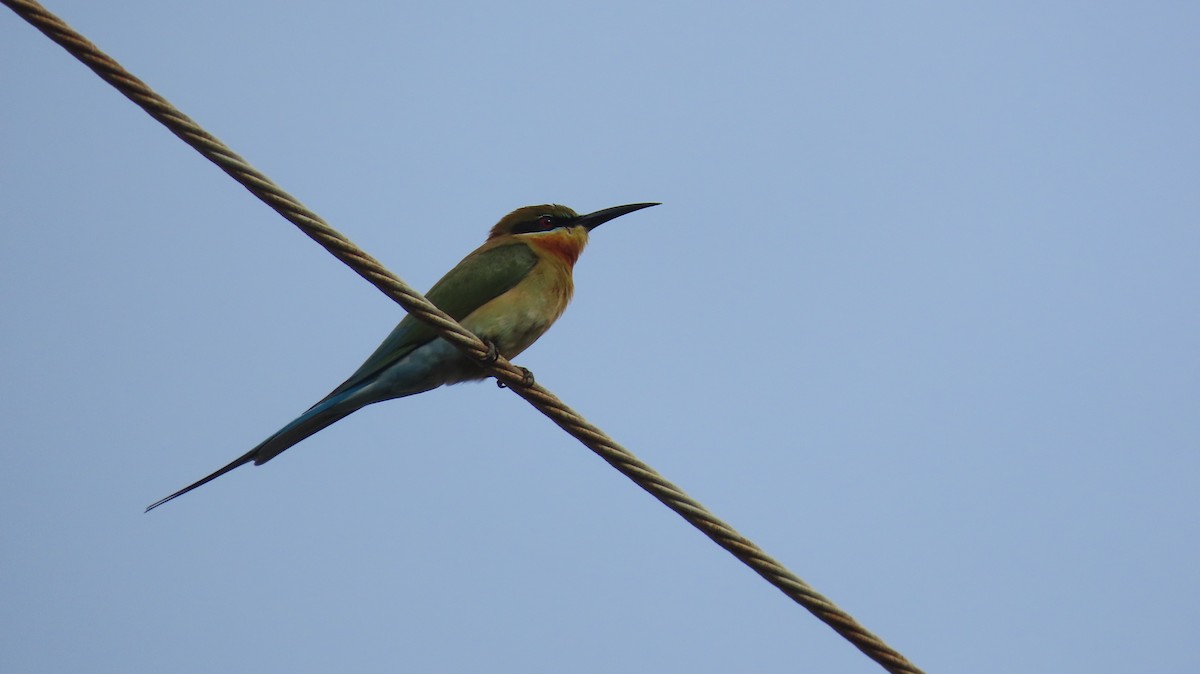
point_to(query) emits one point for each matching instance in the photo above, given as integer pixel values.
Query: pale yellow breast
(517, 318)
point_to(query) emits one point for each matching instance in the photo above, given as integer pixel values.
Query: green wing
(477, 280)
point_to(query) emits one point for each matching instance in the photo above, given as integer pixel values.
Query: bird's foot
(492, 355)
(526, 379)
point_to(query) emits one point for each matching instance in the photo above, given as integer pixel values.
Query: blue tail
(319, 416)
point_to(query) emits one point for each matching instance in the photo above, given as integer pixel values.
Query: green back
(478, 279)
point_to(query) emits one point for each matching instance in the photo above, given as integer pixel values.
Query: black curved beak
(594, 220)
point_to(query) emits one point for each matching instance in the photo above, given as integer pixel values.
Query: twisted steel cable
(516, 378)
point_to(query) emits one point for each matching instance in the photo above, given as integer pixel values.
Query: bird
(508, 292)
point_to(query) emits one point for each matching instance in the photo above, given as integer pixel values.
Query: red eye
(545, 221)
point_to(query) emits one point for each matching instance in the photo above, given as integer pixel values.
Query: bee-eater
(508, 292)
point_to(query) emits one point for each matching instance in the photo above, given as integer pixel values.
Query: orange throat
(565, 245)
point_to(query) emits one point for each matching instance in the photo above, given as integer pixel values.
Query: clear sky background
(918, 315)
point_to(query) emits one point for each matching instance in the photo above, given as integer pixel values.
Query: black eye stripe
(544, 223)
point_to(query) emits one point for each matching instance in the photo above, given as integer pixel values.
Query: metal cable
(512, 376)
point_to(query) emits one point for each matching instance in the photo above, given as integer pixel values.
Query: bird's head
(551, 217)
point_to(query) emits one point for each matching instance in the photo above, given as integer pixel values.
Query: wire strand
(512, 376)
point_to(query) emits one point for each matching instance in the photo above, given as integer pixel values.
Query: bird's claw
(492, 354)
(526, 379)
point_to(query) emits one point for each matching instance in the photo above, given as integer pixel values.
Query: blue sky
(918, 316)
